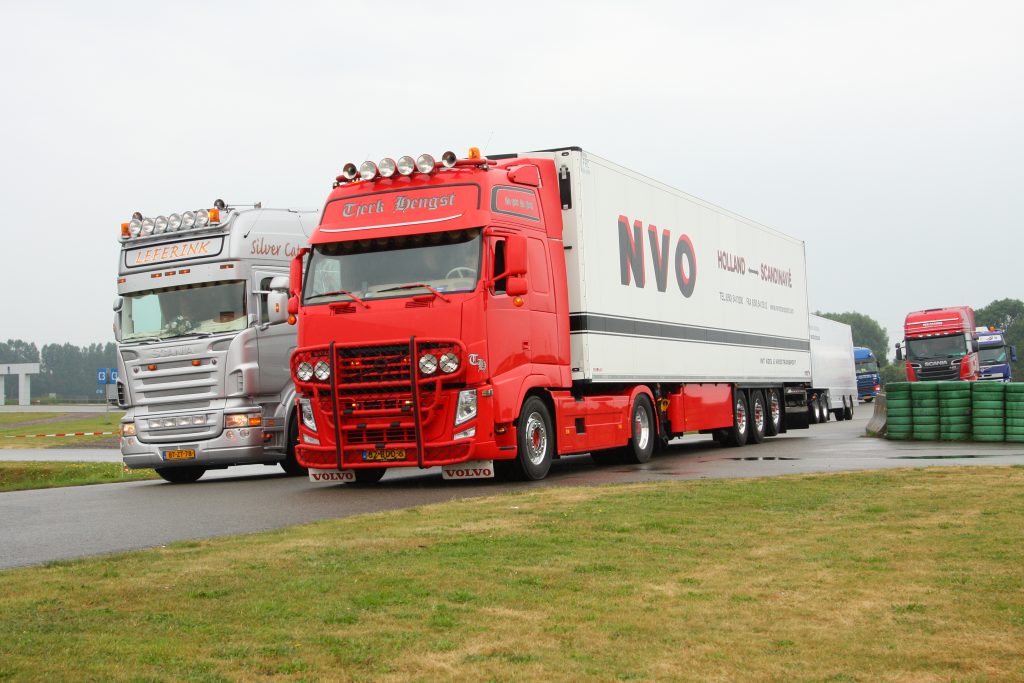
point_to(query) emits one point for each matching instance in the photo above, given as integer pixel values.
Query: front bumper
(235, 446)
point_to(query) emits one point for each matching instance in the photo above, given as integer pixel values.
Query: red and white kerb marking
(37, 436)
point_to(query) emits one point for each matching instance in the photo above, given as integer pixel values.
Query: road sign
(101, 376)
(112, 376)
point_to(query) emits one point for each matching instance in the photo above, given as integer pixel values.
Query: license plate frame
(385, 455)
(176, 454)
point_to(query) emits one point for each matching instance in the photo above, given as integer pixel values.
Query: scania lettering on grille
(174, 351)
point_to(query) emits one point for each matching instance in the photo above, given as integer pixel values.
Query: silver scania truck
(202, 370)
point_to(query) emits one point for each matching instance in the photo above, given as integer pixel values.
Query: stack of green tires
(955, 411)
(988, 411)
(899, 416)
(924, 404)
(1015, 412)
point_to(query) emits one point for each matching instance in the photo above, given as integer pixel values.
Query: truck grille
(937, 373)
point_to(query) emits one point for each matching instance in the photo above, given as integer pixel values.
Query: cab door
(509, 351)
(274, 342)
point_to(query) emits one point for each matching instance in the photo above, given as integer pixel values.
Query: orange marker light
(518, 301)
(474, 152)
(292, 320)
(196, 363)
(214, 215)
(255, 421)
(151, 367)
(124, 230)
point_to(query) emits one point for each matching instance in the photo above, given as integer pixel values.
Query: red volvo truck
(940, 344)
(491, 315)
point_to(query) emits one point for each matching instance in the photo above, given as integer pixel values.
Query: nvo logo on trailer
(631, 257)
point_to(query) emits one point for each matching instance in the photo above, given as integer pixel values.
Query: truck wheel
(641, 441)
(812, 411)
(841, 412)
(290, 465)
(774, 405)
(369, 475)
(849, 410)
(535, 440)
(181, 475)
(823, 408)
(757, 424)
(737, 434)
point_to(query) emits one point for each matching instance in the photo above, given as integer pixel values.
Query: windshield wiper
(143, 340)
(413, 286)
(336, 293)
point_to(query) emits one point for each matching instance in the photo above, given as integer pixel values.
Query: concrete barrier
(876, 425)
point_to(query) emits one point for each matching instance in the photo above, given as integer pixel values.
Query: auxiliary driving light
(134, 227)
(160, 224)
(367, 170)
(406, 165)
(349, 171)
(449, 363)
(188, 220)
(387, 167)
(425, 163)
(202, 219)
(304, 371)
(147, 226)
(448, 159)
(428, 364)
(173, 222)
(322, 370)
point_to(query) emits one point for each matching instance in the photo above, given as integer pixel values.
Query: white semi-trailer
(203, 371)
(511, 310)
(833, 370)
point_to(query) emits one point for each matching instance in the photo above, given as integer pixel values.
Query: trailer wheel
(841, 412)
(737, 434)
(812, 411)
(535, 440)
(757, 423)
(290, 465)
(181, 475)
(823, 411)
(369, 475)
(849, 410)
(641, 441)
(774, 424)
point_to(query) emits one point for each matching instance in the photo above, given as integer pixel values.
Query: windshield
(406, 265)
(208, 308)
(937, 347)
(864, 366)
(992, 356)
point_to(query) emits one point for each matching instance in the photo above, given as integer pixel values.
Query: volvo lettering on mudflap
(203, 372)
(487, 316)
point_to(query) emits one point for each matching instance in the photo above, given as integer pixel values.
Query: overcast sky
(886, 135)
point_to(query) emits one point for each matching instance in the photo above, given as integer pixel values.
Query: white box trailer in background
(833, 370)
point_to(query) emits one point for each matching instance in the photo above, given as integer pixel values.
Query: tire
(848, 411)
(812, 411)
(840, 413)
(736, 435)
(899, 412)
(535, 440)
(644, 432)
(290, 465)
(181, 475)
(369, 475)
(758, 418)
(823, 411)
(773, 425)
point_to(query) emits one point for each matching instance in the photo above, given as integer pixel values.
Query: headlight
(449, 363)
(127, 429)
(306, 408)
(198, 419)
(406, 165)
(188, 219)
(387, 167)
(322, 371)
(147, 226)
(425, 163)
(134, 227)
(236, 420)
(160, 224)
(428, 364)
(304, 371)
(183, 421)
(466, 409)
(173, 222)
(202, 219)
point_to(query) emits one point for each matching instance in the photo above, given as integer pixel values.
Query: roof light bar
(140, 226)
(406, 165)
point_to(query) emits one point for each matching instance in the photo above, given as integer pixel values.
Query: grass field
(14, 427)
(19, 476)
(911, 575)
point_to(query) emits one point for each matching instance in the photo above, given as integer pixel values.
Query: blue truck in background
(994, 355)
(869, 382)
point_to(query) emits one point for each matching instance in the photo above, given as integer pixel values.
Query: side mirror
(516, 285)
(118, 303)
(280, 282)
(974, 346)
(515, 255)
(899, 352)
(277, 306)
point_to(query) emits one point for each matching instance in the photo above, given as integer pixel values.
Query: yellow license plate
(183, 454)
(384, 455)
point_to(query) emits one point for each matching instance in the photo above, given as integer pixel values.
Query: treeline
(1002, 314)
(66, 370)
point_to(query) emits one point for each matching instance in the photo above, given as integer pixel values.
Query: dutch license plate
(180, 454)
(384, 455)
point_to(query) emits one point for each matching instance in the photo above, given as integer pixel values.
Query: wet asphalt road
(51, 524)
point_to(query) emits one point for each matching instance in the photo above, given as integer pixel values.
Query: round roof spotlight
(147, 226)
(135, 227)
(448, 159)
(219, 204)
(173, 222)
(137, 215)
(387, 167)
(367, 170)
(425, 163)
(202, 218)
(160, 224)
(406, 165)
(188, 220)
(349, 171)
